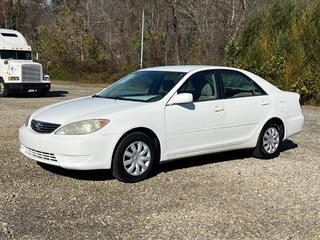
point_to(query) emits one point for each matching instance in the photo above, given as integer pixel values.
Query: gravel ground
(221, 196)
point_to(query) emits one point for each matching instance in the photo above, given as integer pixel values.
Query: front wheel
(135, 158)
(4, 89)
(269, 142)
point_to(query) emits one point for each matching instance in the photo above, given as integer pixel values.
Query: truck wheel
(4, 90)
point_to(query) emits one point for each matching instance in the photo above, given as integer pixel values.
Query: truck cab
(18, 72)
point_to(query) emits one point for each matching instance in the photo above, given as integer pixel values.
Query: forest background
(99, 40)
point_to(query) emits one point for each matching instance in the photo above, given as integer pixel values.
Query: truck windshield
(12, 54)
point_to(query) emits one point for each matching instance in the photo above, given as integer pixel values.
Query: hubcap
(271, 140)
(1, 88)
(136, 158)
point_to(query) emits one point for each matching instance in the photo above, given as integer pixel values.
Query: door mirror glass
(181, 98)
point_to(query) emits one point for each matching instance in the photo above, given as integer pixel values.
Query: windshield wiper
(97, 96)
(115, 98)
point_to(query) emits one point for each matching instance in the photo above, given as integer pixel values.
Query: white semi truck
(18, 72)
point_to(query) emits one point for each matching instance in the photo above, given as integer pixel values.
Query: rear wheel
(269, 142)
(4, 89)
(134, 158)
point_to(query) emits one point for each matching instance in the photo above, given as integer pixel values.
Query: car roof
(184, 68)
(268, 87)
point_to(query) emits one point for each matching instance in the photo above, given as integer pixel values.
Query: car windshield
(19, 55)
(144, 86)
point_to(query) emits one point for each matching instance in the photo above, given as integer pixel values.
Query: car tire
(269, 142)
(134, 158)
(4, 89)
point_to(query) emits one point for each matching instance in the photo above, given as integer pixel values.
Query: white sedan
(163, 113)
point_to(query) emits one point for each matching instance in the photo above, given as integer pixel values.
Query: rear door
(246, 105)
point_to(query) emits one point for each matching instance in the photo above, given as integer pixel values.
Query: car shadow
(288, 145)
(189, 162)
(216, 158)
(51, 94)
(89, 175)
(56, 94)
(169, 166)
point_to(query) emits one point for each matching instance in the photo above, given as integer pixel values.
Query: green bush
(282, 44)
(308, 88)
(60, 73)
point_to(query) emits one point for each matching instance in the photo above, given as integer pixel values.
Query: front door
(196, 127)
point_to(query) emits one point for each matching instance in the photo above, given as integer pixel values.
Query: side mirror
(181, 98)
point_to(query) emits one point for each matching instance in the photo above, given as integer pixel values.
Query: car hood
(83, 108)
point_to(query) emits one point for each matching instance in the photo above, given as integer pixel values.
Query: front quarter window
(145, 86)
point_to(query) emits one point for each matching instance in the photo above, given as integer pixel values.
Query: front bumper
(22, 87)
(85, 152)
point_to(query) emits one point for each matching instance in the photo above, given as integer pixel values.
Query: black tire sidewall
(118, 169)
(5, 91)
(261, 148)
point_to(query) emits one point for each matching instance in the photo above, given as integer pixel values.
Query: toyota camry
(163, 113)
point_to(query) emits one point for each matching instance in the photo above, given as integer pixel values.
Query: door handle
(265, 103)
(218, 109)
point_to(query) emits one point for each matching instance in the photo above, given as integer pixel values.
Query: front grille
(43, 127)
(31, 73)
(39, 155)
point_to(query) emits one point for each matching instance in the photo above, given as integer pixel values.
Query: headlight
(82, 127)
(26, 122)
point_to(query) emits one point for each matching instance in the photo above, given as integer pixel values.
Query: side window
(202, 85)
(236, 85)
